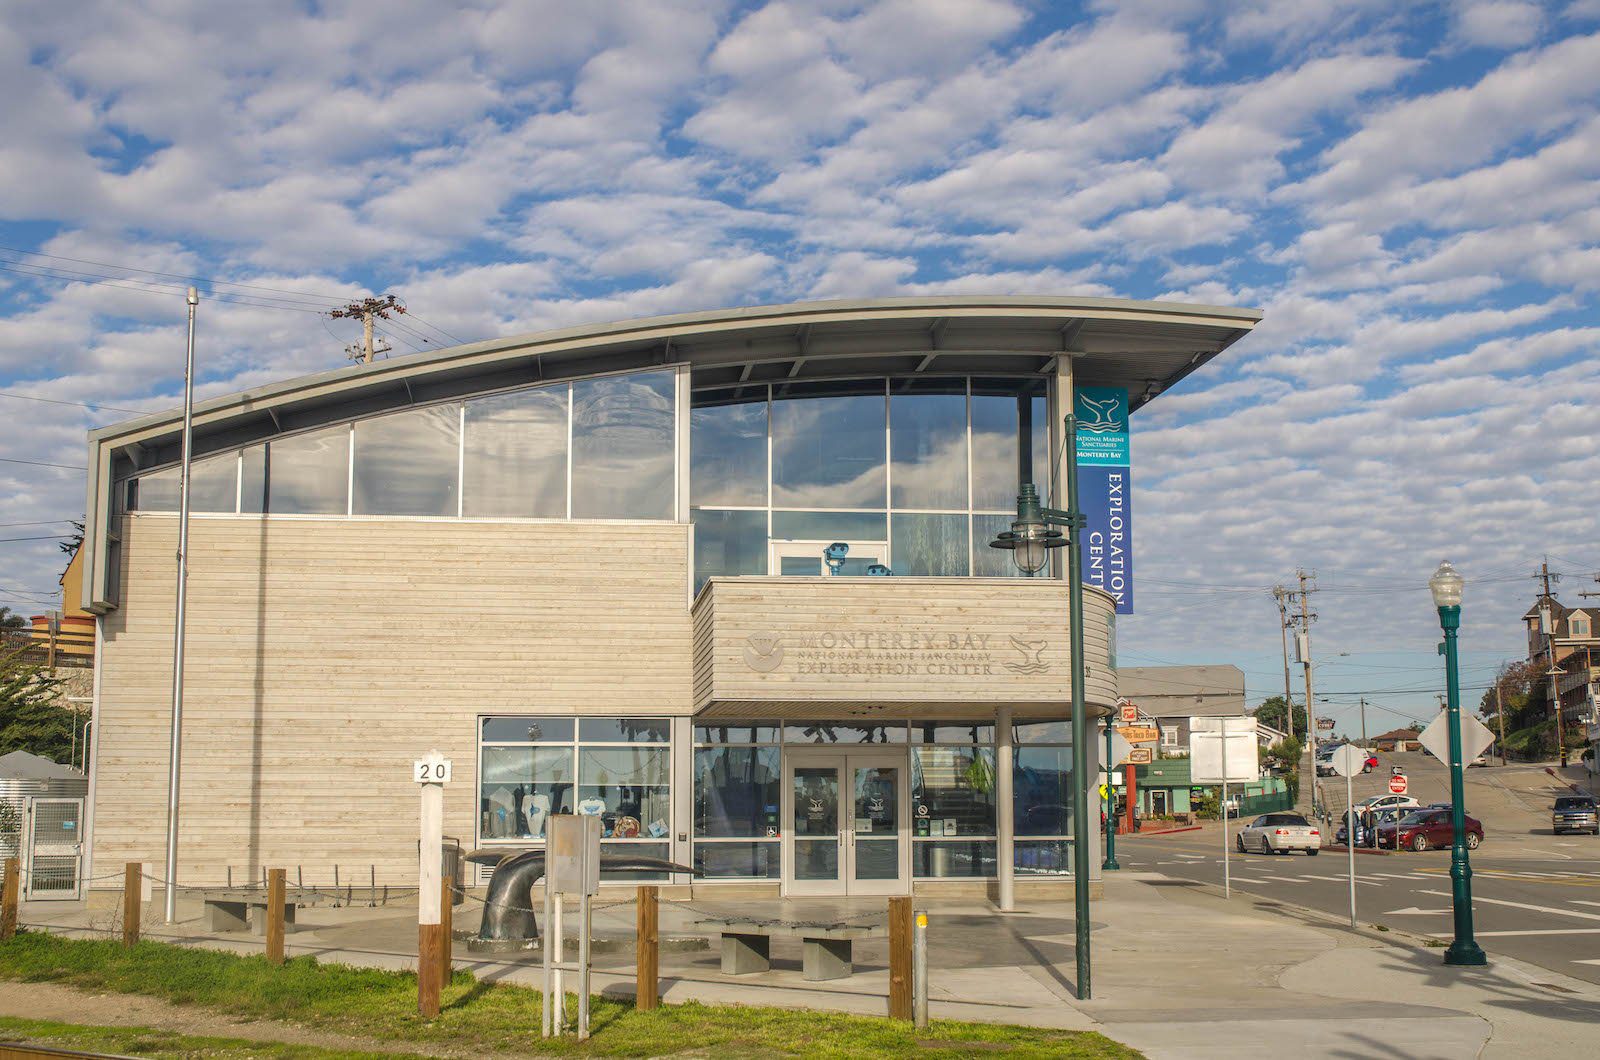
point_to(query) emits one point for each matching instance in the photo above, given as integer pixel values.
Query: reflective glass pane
(931, 545)
(832, 732)
(993, 562)
(728, 544)
(212, 481)
(519, 787)
(928, 444)
(876, 823)
(1049, 857)
(625, 730)
(309, 473)
(638, 850)
(951, 732)
(800, 566)
(622, 447)
(628, 766)
(1054, 731)
(516, 455)
(728, 452)
(828, 450)
(829, 526)
(952, 791)
(736, 791)
(761, 861)
(527, 730)
(954, 860)
(253, 479)
(996, 425)
(1042, 789)
(627, 811)
(407, 463)
(735, 732)
(816, 823)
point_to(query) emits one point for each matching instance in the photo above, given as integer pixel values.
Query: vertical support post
(175, 765)
(1350, 841)
(586, 910)
(919, 973)
(8, 898)
(1464, 951)
(647, 974)
(275, 915)
(556, 945)
(1110, 860)
(1080, 718)
(902, 926)
(132, 904)
(1130, 783)
(447, 917)
(431, 772)
(546, 947)
(1222, 811)
(1005, 755)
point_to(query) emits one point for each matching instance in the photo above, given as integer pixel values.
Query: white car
(1384, 802)
(1279, 833)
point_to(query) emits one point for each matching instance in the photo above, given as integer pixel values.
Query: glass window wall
(737, 788)
(928, 444)
(828, 446)
(728, 543)
(623, 457)
(213, 486)
(729, 453)
(308, 474)
(515, 455)
(408, 463)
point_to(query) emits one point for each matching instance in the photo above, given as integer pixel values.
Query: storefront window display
(737, 782)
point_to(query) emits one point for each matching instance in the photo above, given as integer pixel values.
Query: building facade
(589, 567)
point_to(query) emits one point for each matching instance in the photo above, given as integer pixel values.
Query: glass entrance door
(804, 558)
(847, 824)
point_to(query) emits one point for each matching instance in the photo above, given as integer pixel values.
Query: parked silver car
(1279, 833)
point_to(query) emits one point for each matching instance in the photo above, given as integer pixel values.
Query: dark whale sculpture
(508, 907)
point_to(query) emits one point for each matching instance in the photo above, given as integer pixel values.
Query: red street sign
(1397, 784)
(1130, 714)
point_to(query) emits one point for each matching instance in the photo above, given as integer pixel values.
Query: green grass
(499, 1017)
(149, 1041)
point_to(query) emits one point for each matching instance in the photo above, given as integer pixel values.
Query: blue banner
(1105, 492)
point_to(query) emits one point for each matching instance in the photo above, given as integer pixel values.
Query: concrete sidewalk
(1178, 972)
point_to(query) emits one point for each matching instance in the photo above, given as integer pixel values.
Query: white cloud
(1498, 23)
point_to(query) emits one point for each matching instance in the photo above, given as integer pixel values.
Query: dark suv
(1575, 813)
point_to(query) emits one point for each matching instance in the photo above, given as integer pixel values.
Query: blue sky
(1408, 192)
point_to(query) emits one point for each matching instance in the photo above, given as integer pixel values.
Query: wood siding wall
(325, 655)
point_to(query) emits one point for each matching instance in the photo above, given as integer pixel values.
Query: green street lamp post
(1110, 861)
(1030, 540)
(1464, 951)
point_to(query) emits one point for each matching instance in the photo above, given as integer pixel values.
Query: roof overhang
(1144, 347)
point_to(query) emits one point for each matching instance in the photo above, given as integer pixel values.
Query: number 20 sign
(435, 769)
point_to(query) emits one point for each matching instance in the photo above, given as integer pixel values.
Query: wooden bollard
(646, 989)
(132, 902)
(8, 898)
(446, 916)
(275, 901)
(902, 931)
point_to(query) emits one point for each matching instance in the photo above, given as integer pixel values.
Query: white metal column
(1006, 858)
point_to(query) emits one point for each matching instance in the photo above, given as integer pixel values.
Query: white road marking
(1414, 911)
(1580, 901)
(1512, 934)
(1523, 905)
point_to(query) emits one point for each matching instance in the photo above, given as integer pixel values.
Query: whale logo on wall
(763, 652)
(1100, 417)
(1030, 650)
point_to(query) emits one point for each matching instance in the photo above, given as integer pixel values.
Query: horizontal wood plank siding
(324, 656)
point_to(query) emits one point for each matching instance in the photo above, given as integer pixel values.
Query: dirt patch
(64, 1004)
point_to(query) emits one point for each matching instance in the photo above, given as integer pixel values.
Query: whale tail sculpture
(508, 907)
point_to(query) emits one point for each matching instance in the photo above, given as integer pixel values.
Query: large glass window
(828, 447)
(213, 482)
(737, 788)
(1042, 796)
(408, 463)
(616, 769)
(728, 543)
(515, 455)
(623, 456)
(930, 544)
(728, 450)
(308, 474)
(928, 443)
(999, 407)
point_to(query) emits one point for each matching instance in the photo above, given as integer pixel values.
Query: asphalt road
(1536, 896)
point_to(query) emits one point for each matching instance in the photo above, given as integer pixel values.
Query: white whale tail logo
(1102, 417)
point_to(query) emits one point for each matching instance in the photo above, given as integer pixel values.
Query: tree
(1272, 712)
(1519, 684)
(30, 718)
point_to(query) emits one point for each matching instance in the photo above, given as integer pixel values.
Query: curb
(1340, 848)
(1570, 785)
(1164, 831)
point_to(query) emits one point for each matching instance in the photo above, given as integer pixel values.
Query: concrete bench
(234, 911)
(826, 950)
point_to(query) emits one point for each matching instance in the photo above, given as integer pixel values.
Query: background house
(1171, 695)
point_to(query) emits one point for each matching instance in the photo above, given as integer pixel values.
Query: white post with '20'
(432, 773)
(1224, 751)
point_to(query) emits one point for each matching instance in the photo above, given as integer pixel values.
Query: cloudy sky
(1410, 196)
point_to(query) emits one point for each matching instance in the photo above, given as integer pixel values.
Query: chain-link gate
(52, 860)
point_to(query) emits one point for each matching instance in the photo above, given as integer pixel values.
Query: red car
(1424, 828)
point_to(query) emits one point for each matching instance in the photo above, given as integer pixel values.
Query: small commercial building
(589, 567)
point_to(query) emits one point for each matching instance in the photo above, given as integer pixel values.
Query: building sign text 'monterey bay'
(895, 652)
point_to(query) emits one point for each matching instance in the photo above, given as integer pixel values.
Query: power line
(175, 292)
(46, 537)
(42, 463)
(40, 522)
(63, 401)
(331, 299)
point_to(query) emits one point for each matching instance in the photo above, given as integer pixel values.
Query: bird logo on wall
(763, 652)
(1030, 650)
(1100, 416)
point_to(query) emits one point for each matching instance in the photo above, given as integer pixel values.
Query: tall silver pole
(1350, 840)
(174, 777)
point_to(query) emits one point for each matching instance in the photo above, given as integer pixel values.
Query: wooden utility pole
(1500, 709)
(1281, 595)
(368, 310)
(1547, 619)
(1307, 616)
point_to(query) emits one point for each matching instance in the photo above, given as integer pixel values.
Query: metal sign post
(1349, 760)
(432, 773)
(572, 866)
(1213, 762)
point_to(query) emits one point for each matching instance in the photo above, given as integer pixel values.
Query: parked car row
(1279, 833)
